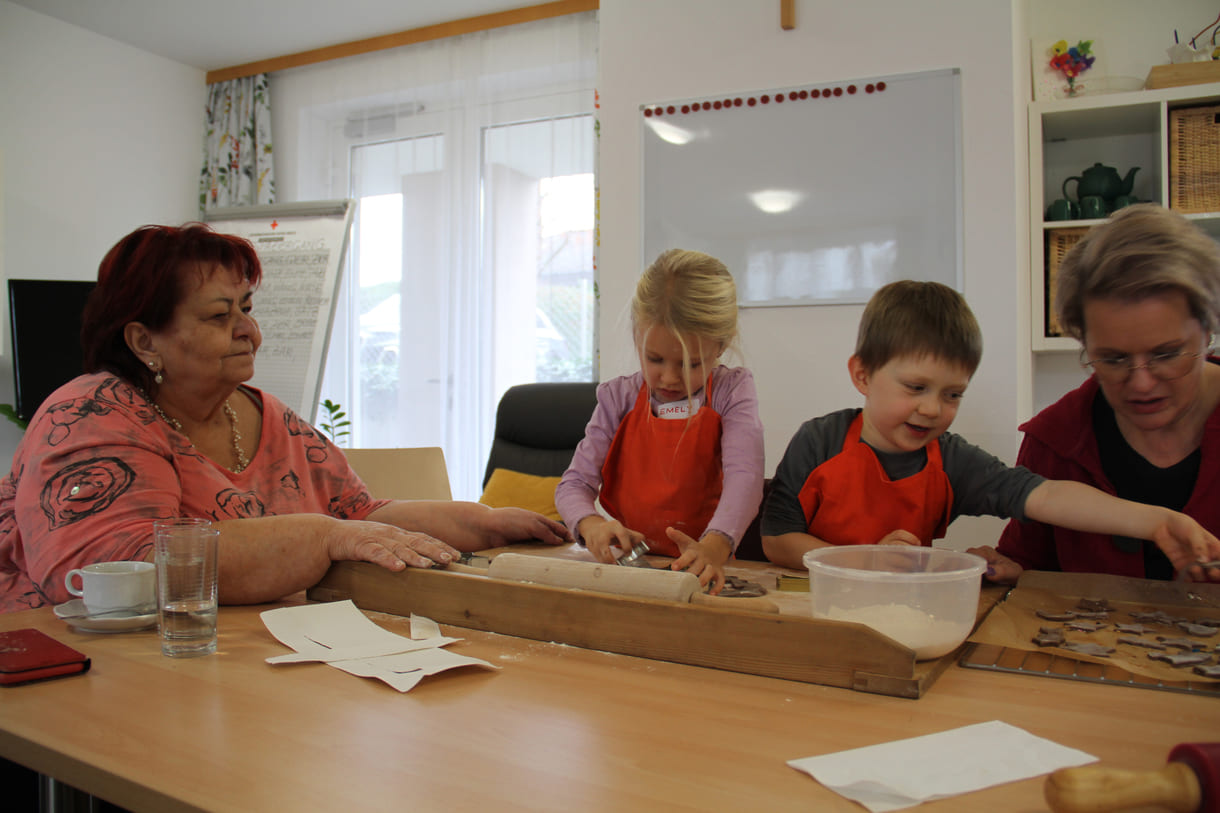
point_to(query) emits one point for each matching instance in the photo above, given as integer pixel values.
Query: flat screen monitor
(45, 316)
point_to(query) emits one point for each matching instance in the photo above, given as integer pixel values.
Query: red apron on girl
(661, 472)
(850, 500)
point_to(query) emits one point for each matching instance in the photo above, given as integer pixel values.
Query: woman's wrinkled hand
(505, 525)
(600, 534)
(386, 545)
(1000, 569)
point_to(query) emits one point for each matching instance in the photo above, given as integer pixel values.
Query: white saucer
(104, 623)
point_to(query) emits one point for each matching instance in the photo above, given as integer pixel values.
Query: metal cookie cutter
(635, 556)
(474, 560)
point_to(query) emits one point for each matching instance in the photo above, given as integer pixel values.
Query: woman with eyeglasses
(1141, 293)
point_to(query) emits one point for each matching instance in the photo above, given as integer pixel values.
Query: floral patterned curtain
(237, 145)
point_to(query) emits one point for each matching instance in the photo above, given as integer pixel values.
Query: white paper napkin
(904, 773)
(339, 634)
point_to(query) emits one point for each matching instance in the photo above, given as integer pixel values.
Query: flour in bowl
(929, 636)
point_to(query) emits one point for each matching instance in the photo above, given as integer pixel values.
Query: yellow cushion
(512, 489)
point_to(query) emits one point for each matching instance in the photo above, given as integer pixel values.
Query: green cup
(1092, 207)
(1062, 209)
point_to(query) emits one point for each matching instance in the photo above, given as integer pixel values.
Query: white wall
(96, 138)
(655, 50)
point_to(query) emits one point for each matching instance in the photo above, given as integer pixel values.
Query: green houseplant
(335, 423)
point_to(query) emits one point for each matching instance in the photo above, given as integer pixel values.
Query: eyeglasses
(1165, 366)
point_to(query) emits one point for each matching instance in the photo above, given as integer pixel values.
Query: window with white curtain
(472, 161)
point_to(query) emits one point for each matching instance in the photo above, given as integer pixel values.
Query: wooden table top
(556, 728)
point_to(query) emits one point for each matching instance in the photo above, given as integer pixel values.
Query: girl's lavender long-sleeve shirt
(741, 448)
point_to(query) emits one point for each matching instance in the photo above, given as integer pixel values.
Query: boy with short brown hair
(891, 473)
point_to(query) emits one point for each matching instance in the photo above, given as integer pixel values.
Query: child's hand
(704, 558)
(900, 537)
(1000, 569)
(1188, 544)
(600, 533)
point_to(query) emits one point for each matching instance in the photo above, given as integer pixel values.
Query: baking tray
(1045, 664)
(996, 656)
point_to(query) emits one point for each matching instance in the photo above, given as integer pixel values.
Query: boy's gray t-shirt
(983, 485)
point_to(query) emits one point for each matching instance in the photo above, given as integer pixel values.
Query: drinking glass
(186, 585)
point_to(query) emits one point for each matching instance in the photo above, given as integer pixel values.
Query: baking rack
(1045, 664)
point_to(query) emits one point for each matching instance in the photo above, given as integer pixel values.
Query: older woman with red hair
(162, 425)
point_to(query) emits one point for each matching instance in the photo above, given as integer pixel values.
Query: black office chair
(538, 427)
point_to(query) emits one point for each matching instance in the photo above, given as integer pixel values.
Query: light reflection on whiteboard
(843, 273)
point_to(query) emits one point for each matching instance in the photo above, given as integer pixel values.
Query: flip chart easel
(302, 248)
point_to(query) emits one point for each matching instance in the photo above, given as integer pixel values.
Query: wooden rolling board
(791, 646)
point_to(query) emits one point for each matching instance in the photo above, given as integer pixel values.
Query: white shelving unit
(1121, 130)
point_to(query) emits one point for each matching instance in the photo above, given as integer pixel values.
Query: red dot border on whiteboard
(764, 99)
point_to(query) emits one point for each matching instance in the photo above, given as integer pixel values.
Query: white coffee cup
(107, 586)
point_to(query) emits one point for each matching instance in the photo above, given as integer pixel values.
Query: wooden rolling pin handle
(758, 605)
(1097, 789)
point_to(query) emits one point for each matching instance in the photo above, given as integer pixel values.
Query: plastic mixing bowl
(923, 598)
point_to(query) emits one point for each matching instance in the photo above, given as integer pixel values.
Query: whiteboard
(814, 194)
(302, 248)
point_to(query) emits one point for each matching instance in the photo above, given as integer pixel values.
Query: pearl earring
(158, 378)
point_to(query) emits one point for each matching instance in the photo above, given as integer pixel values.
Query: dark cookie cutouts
(1180, 643)
(1144, 642)
(1180, 658)
(1198, 630)
(1085, 626)
(1133, 629)
(1157, 617)
(1049, 636)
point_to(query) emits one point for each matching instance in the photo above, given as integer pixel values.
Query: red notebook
(28, 654)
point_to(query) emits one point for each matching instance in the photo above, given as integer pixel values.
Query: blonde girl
(674, 452)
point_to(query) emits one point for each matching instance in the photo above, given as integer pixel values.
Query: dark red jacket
(1060, 444)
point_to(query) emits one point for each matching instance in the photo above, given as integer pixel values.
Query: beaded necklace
(230, 413)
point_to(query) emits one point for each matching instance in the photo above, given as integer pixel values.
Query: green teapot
(1102, 181)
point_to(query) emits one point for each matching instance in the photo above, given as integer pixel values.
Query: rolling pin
(1189, 783)
(665, 585)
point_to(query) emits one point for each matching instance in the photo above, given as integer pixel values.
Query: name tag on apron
(678, 410)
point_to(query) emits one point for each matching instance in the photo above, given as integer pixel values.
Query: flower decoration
(1072, 61)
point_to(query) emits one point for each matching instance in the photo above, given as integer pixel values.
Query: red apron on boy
(661, 472)
(850, 500)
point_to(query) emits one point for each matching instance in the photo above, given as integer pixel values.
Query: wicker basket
(1058, 243)
(1194, 159)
